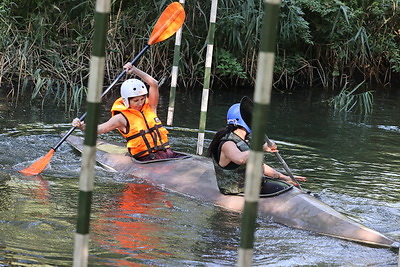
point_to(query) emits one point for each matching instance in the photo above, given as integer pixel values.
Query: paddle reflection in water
(129, 225)
(40, 189)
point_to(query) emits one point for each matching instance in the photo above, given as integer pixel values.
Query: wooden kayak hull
(194, 176)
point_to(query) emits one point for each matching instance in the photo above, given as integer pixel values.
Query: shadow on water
(350, 161)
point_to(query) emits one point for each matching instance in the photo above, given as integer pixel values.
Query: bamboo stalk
(86, 179)
(174, 78)
(262, 99)
(207, 73)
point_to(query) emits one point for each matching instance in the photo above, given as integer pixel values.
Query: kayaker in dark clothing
(230, 150)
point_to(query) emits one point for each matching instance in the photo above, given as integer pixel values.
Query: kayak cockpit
(179, 156)
(277, 187)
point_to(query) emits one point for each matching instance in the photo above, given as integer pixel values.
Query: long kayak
(194, 176)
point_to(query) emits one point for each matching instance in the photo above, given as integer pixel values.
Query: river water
(352, 162)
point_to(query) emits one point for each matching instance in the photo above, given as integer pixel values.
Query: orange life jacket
(144, 132)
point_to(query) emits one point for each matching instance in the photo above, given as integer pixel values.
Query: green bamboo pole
(174, 76)
(207, 73)
(262, 99)
(95, 85)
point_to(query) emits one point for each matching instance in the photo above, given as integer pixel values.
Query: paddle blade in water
(168, 23)
(38, 166)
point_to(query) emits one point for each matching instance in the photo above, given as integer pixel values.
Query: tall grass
(45, 47)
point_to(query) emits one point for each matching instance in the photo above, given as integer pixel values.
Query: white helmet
(132, 88)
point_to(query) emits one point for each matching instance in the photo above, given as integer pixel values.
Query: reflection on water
(351, 161)
(129, 220)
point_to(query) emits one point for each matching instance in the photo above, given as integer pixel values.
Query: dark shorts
(161, 154)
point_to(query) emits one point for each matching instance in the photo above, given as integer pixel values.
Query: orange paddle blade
(168, 23)
(38, 166)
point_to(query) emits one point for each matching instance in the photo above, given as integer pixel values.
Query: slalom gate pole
(262, 99)
(86, 179)
(174, 74)
(207, 73)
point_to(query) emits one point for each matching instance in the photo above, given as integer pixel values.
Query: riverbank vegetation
(46, 45)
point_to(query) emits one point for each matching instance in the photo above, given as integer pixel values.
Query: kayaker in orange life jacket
(134, 115)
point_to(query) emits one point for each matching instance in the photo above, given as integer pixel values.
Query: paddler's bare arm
(230, 153)
(271, 172)
(153, 84)
(117, 121)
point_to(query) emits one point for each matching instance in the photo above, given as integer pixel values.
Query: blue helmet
(235, 118)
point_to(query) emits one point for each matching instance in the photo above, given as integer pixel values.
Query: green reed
(348, 100)
(320, 44)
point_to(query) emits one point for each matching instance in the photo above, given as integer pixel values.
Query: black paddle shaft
(102, 96)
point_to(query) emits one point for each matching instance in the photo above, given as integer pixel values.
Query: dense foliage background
(46, 44)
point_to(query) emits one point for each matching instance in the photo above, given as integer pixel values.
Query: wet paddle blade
(170, 21)
(38, 166)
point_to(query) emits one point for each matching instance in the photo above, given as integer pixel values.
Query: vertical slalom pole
(207, 73)
(174, 76)
(262, 99)
(86, 179)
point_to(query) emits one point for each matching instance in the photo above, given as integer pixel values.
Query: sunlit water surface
(351, 161)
